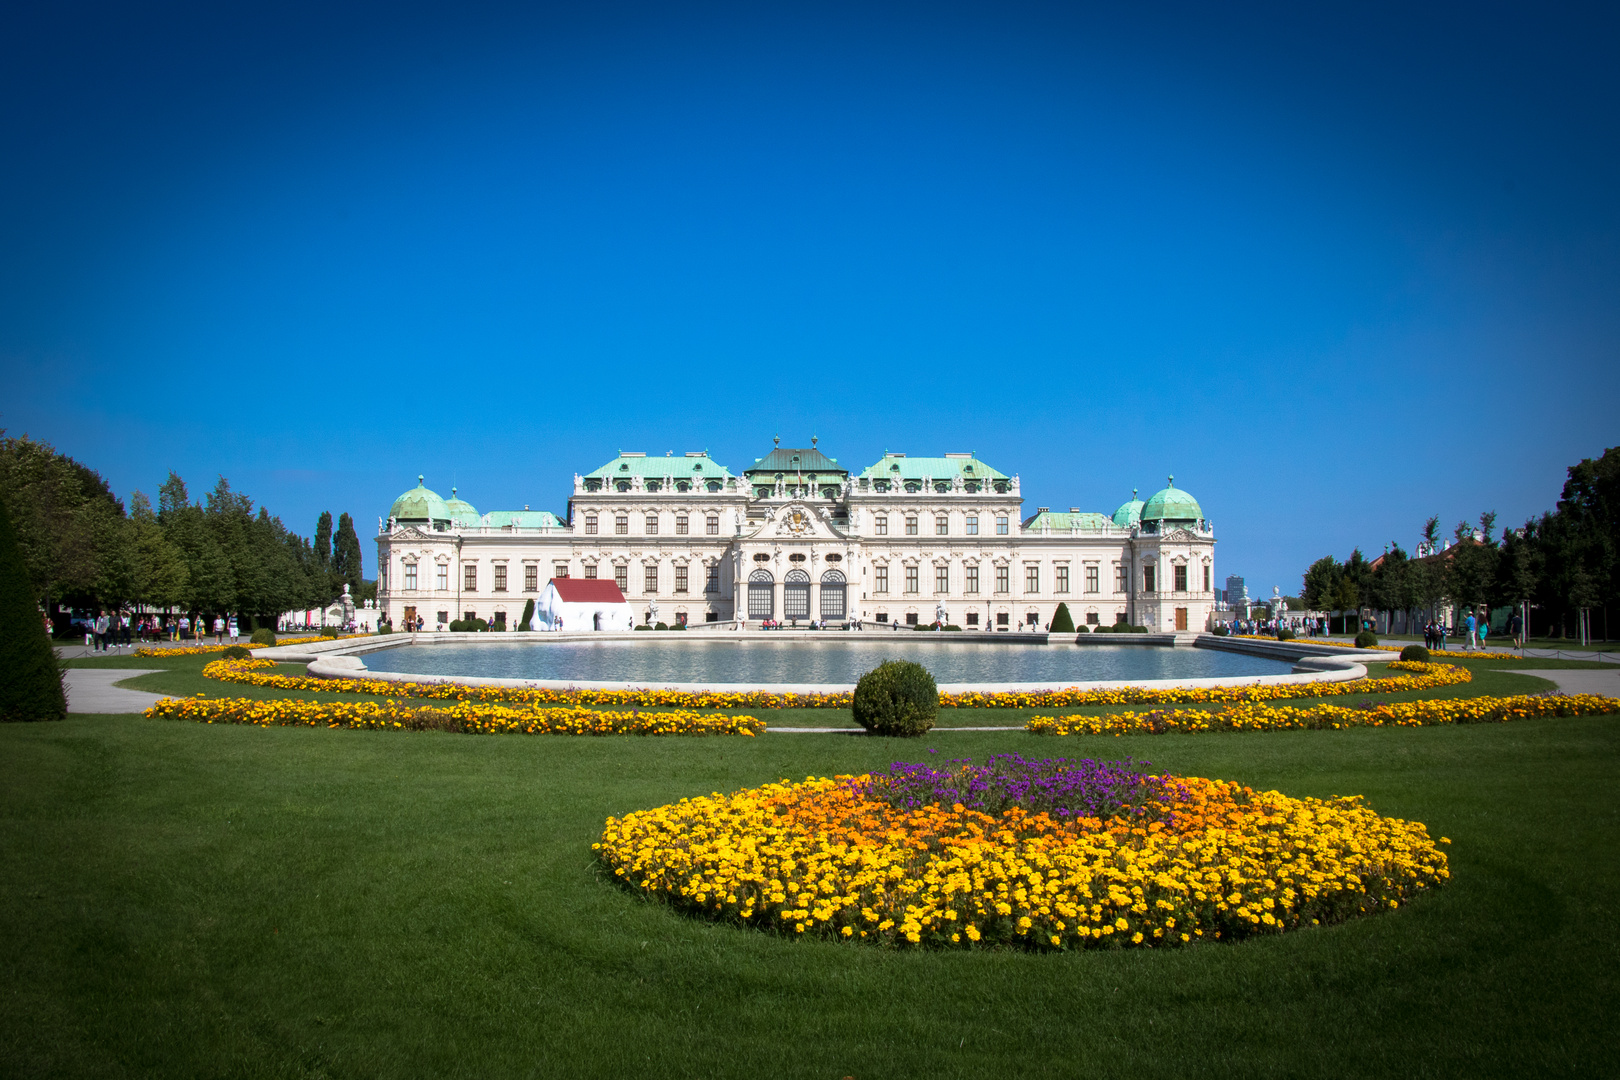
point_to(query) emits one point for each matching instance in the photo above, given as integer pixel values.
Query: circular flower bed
(1050, 854)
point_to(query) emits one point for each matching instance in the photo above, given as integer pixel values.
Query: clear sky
(1336, 267)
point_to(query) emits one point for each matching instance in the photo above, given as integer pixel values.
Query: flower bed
(1455, 654)
(204, 650)
(1424, 677)
(472, 718)
(1110, 857)
(1256, 716)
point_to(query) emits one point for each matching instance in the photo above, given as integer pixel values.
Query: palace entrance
(796, 595)
(832, 596)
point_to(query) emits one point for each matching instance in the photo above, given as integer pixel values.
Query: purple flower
(1055, 786)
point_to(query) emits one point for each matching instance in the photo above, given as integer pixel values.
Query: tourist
(99, 629)
(1516, 628)
(1473, 631)
(219, 630)
(232, 629)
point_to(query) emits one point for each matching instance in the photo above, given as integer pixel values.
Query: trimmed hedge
(263, 636)
(1415, 652)
(528, 614)
(897, 698)
(30, 678)
(236, 652)
(1062, 621)
(1366, 639)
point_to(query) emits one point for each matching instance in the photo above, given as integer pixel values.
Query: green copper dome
(1172, 504)
(1130, 513)
(462, 513)
(419, 506)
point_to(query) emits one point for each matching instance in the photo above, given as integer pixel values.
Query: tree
(323, 540)
(64, 517)
(1320, 582)
(346, 558)
(1062, 621)
(30, 678)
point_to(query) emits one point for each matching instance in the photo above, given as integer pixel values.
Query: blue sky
(1337, 268)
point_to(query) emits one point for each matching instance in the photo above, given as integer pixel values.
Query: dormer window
(683, 486)
(714, 485)
(624, 468)
(913, 486)
(623, 485)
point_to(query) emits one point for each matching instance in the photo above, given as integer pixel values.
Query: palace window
(652, 524)
(680, 525)
(711, 524)
(911, 579)
(1001, 524)
(1062, 584)
(1207, 584)
(1148, 578)
(1032, 578)
(711, 583)
(973, 618)
(442, 577)
(1091, 579)
(590, 524)
(1003, 579)
(621, 578)
(531, 576)
(881, 524)
(942, 525)
(558, 570)
(1001, 618)
(500, 578)
(621, 525)
(973, 524)
(469, 579)
(1178, 577)
(680, 579)
(649, 579)
(410, 576)
(972, 579)
(1119, 578)
(942, 579)
(590, 572)
(880, 580)
(911, 525)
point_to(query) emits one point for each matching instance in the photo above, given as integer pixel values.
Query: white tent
(582, 604)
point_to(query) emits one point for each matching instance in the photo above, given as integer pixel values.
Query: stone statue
(940, 614)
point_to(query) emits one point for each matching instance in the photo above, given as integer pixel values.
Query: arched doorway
(832, 596)
(761, 595)
(796, 595)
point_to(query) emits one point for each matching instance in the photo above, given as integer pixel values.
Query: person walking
(1470, 625)
(232, 628)
(99, 628)
(219, 630)
(1516, 628)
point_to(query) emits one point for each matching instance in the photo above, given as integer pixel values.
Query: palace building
(798, 537)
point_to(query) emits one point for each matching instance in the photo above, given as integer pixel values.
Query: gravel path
(91, 690)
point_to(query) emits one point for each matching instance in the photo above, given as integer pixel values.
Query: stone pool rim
(342, 659)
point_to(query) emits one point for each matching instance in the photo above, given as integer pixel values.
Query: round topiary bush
(329, 632)
(236, 652)
(1415, 652)
(384, 628)
(661, 626)
(1366, 639)
(263, 636)
(897, 698)
(1220, 631)
(1082, 629)
(1285, 634)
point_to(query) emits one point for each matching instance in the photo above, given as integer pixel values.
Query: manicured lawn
(190, 900)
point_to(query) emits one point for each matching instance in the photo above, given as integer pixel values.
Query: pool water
(834, 660)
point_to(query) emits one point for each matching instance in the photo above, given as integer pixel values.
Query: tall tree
(323, 540)
(1321, 580)
(30, 678)
(346, 558)
(62, 515)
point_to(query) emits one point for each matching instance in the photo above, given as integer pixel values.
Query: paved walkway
(1581, 681)
(91, 690)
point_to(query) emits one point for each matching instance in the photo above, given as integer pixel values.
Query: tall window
(1001, 524)
(469, 579)
(1091, 579)
(621, 578)
(1148, 578)
(649, 579)
(1208, 585)
(442, 577)
(1003, 579)
(500, 577)
(711, 524)
(911, 579)
(973, 524)
(942, 525)
(382, 577)
(1032, 578)
(652, 524)
(880, 580)
(972, 579)
(942, 579)
(530, 573)
(680, 525)
(1119, 578)
(911, 524)
(621, 525)
(410, 576)
(1062, 583)
(1178, 577)
(881, 524)
(590, 524)
(531, 576)
(680, 579)
(711, 582)
(590, 572)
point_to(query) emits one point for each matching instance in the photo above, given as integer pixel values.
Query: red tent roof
(588, 590)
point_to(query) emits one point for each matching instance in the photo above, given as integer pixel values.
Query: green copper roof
(1129, 513)
(462, 513)
(419, 506)
(523, 519)
(1172, 504)
(1063, 521)
(900, 467)
(627, 465)
(790, 462)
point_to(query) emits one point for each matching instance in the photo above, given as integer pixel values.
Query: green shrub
(329, 631)
(263, 636)
(897, 698)
(384, 628)
(1062, 621)
(678, 626)
(30, 678)
(528, 614)
(1082, 629)
(923, 626)
(661, 626)
(1366, 639)
(1415, 652)
(1220, 631)
(236, 652)
(953, 626)
(643, 626)
(1284, 634)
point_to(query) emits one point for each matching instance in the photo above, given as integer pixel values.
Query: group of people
(110, 630)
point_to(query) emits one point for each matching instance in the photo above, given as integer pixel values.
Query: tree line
(1561, 563)
(83, 550)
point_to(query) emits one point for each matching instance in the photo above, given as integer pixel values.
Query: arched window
(796, 595)
(761, 595)
(832, 595)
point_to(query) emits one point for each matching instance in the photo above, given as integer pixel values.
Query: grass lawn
(191, 900)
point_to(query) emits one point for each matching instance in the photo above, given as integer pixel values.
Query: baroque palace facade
(797, 537)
